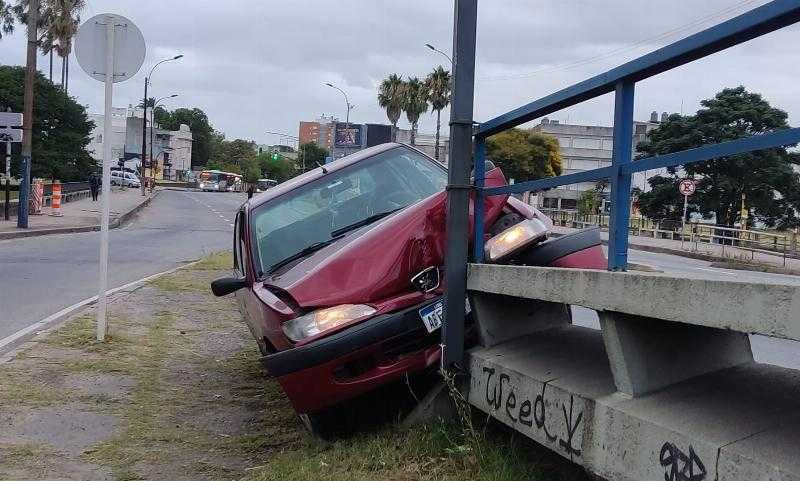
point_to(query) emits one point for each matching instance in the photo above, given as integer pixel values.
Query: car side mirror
(227, 285)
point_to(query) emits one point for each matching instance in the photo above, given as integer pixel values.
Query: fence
(622, 81)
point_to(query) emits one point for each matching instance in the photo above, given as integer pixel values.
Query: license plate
(432, 315)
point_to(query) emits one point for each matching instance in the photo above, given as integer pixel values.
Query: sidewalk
(79, 216)
(737, 258)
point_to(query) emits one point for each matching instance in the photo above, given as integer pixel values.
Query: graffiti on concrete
(678, 466)
(530, 413)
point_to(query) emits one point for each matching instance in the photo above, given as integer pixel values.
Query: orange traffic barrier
(37, 197)
(55, 201)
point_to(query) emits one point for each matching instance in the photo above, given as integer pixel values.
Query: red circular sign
(686, 187)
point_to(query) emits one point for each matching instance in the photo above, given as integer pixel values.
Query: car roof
(317, 173)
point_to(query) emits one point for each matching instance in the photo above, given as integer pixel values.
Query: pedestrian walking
(94, 186)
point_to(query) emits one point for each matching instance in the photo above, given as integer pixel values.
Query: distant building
(340, 138)
(587, 147)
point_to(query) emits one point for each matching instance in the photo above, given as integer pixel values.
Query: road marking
(75, 307)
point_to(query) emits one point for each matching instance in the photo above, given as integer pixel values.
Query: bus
(212, 180)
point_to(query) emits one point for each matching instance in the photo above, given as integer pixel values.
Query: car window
(387, 181)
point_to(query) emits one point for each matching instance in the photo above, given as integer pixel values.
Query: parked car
(126, 179)
(339, 271)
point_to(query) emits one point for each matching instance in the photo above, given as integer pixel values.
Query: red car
(340, 270)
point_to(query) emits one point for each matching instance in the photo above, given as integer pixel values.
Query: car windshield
(309, 214)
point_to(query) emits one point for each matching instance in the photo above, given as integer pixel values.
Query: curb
(9, 346)
(755, 268)
(114, 224)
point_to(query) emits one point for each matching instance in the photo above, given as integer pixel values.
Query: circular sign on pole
(686, 187)
(90, 47)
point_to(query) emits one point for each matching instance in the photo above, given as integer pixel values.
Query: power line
(627, 48)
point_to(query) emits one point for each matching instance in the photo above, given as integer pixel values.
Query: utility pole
(8, 177)
(27, 119)
(144, 137)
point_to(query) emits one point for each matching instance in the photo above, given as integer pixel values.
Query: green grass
(181, 282)
(434, 452)
(215, 262)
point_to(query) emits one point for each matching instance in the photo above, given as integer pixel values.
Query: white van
(126, 179)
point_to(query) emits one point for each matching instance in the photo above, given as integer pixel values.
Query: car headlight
(323, 320)
(515, 238)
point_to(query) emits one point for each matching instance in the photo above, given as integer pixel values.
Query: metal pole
(8, 180)
(144, 136)
(27, 121)
(458, 183)
(106, 200)
(683, 219)
(621, 183)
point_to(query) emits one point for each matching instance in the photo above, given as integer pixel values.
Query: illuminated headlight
(514, 239)
(323, 320)
(202, 184)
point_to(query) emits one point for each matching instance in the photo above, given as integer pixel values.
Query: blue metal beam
(621, 182)
(759, 21)
(707, 152)
(550, 182)
(480, 174)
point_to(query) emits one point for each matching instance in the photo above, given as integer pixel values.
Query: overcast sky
(256, 65)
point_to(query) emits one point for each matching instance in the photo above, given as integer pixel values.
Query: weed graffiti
(529, 413)
(680, 467)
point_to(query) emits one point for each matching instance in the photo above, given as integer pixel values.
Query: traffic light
(274, 156)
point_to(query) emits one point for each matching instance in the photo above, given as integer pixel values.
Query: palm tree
(63, 20)
(415, 103)
(6, 18)
(390, 97)
(438, 86)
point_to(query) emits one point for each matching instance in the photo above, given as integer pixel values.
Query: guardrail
(622, 80)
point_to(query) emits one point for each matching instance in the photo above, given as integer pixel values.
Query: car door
(249, 305)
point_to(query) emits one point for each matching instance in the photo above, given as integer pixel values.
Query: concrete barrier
(667, 389)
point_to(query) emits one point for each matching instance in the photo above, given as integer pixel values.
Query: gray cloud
(257, 65)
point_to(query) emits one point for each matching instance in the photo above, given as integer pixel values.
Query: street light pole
(439, 51)
(144, 117)
(347, 118)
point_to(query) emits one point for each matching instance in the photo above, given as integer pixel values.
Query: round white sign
(686, 187)
(91, 41)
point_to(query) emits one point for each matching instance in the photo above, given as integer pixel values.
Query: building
(587, 147)
(341, 139)
(119, 116)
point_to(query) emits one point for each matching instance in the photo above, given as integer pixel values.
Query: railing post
(620, 181)
(480, 174)
(464, 36)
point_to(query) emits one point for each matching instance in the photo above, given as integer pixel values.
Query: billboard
(348, 135)
(378, 134)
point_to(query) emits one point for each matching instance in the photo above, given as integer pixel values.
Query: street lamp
(439, 51)
(302, 156)
(144, 115)
(347, 118)
(152, 167)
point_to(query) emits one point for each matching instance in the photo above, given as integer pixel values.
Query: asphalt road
(42, 275)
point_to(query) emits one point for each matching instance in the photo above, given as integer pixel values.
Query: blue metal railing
(621, 80)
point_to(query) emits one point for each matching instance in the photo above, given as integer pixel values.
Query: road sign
(91, 46)
(686, 187)
(10, 119)
(10, 135)
(110, 48)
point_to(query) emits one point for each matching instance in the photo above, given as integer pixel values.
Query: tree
(438, 86)
(204, 137)
(588, 202)
(764, 181)
(312, 155)
(415, 103)
(275, 166)
(6, 18)
(61, 128)
(390, 98)
(525, 155)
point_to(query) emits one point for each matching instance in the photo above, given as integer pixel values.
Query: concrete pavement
(78, 216)
(41, 275)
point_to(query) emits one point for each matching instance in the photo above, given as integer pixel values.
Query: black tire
(325, 425)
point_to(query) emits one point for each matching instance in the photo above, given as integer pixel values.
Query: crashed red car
(340, 270)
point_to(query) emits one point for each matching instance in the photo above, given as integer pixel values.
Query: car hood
(379, 260)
